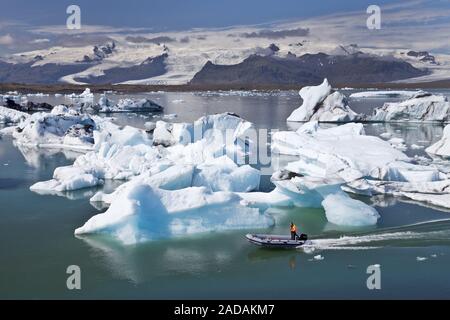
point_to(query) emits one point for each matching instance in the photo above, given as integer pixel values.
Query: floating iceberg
(340, 209)
(343, 157)
(86, 95)
(313, 191)
(370, 187)
(339, 151)
(322, 104)
(442, 147)
(427, 184)
(386, 94)
(222, 174)
(67, 179)
(169, 134)
(127, 105)
(142, 213)
(421, 107)
(440, 200)
(125, 153)
(60, 128)
(12, 116)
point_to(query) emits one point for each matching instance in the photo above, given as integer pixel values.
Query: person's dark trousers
(293, 234)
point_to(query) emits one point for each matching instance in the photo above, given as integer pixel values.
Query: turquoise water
(37, 242)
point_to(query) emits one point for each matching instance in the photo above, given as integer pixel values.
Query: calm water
(37, 242)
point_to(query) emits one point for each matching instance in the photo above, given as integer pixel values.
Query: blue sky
(30, 25)
(175, 14)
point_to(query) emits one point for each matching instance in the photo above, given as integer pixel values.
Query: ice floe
(12, 116)
(184, 178)
(60, 128)
(386, 94)
(142, 213)
(67, 179)
(124, 153)
(86, 95)
(340, 209)
(442, 147)
(127, 105)
(322, 104)
(339, 151)
(344, 157)
(421, 107)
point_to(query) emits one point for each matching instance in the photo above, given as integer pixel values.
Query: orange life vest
(294, 228)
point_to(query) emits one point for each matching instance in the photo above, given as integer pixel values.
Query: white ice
(8, 115)
(61, 128)
(142, 213)
(322, 104)
(421, 107)
(442, 147)
(341, 151)
(385, 94)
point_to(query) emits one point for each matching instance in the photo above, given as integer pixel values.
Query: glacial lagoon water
(37, 241)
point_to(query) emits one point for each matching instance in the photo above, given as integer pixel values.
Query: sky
(30, 25)
(174, 14)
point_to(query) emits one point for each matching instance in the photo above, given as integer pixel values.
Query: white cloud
(40, 40)
(6, 40)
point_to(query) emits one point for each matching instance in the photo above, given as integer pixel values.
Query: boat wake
(415, 234)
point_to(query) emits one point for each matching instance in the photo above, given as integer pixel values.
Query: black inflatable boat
(277, 241)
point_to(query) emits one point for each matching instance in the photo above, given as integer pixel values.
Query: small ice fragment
(318, 257)
(421, 258)
(416, 147)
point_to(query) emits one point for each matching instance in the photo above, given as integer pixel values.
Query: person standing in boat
(294, 234)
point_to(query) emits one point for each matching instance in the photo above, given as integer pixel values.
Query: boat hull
(275, 241)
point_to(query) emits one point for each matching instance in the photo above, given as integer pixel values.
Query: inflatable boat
(277, 241)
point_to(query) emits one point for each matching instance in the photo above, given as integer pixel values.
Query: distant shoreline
(126, 88)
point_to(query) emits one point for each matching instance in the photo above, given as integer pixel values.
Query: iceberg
(340, 151)
(421, 107)
(66, 179)
(60, 128)
(342, 210)
(170, 178)
(386, 94)
(169, 134)
(8, 115)
(326, 192)
(127, 105)
(143, 213)
(322, 104)
(442, 147)
(220, 174)
(440, 200)
(370, 187)
(223, 174)
(343, 157)
(125, 153)
(86, 95)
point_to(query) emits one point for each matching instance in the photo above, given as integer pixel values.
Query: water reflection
(40, 158)
(143, 262)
